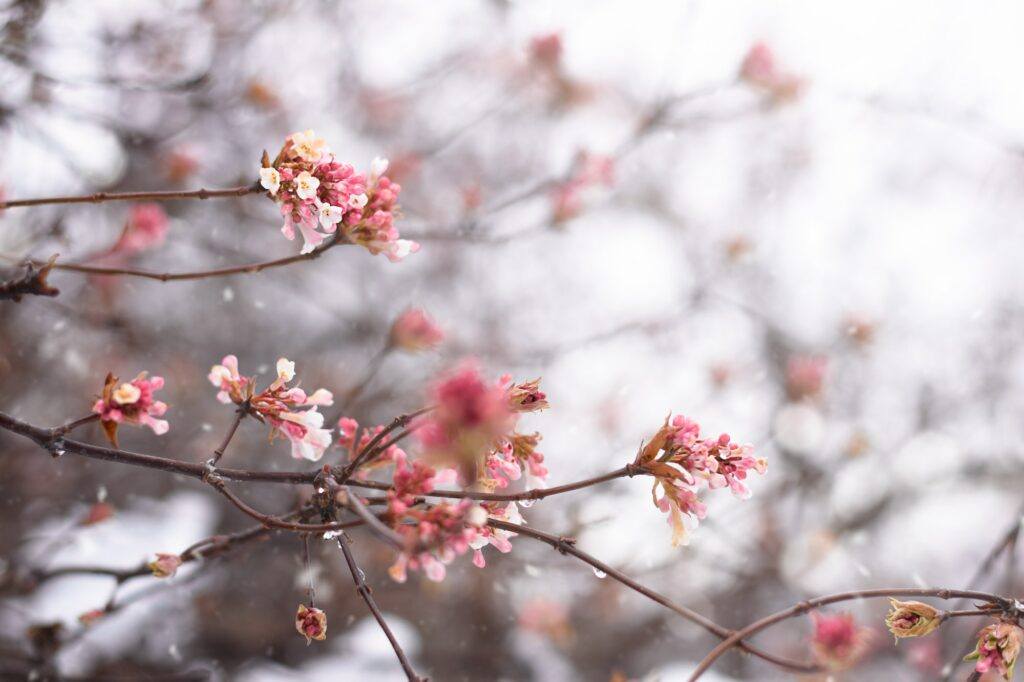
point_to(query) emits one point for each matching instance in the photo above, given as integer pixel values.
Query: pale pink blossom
(131, 403)
(318, 195)
(414, 331)
(546, 50)
(289, 411)
(347, 428)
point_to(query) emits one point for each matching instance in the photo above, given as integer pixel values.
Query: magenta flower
(131, 403)
(469, 418)
(838, 642)
(311, 623)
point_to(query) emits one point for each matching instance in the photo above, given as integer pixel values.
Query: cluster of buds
(997, 649)
(471, 426)
(516, 454)
(838, 642)
(131, 403)
(681, 462)
(437, 535)
(319, 195)
(760, 69)
(589, 170)
(414, 331)
(311, 623)
(288, 410)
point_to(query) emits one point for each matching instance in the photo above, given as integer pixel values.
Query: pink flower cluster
(440, 533)
(288, 410)
(472, 426)
(131, 403)
(318, 195)
(682, 462)
(838, 641)
(146, 228)
(589, 170)
(414, 331)
(760, 69)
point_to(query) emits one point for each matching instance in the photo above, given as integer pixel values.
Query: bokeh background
(829, 270)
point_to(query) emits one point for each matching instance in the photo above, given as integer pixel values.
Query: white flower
(314, 440)
(127, 394)
(476, 516)
(330, 216)
(270, 180)
(285, 369)
(378, 167)
(308, 146)
(306, 185)
(357, 201)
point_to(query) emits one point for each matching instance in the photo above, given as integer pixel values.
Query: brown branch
(250, 268)
(369, 450)
(31, 283)
(568, 546)
(240, 414)
(102, 197)
(367, 594)
(536, 494)
(803, 607)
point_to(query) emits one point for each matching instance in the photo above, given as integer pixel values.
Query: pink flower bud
(414, 331)
(165, 565)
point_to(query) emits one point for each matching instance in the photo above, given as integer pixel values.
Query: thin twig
(367, 594)
(568, 546)
(103, 197)
(803, 607)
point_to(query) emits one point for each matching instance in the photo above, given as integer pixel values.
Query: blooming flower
(307, 146)
(997, 649)
(145, 228)
(165, 565)
(288, 410)
(912, 619)
(438, 534)
(270, 180)
(414, 331)
(131, 403)
(317, 194)
(682, 462)
(838, 641)
(311, 623)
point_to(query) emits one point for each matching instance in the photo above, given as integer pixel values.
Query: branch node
(565, 544)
